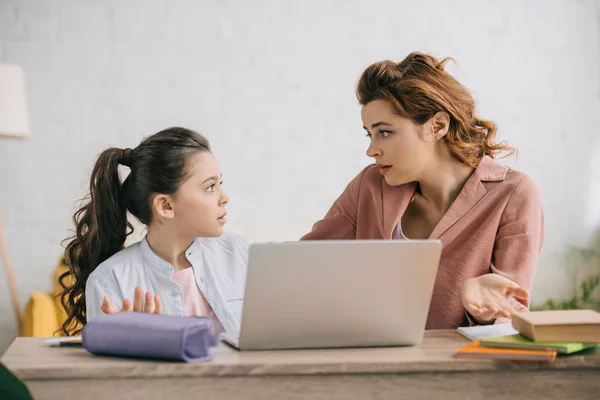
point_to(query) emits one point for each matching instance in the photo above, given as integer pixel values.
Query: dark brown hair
(417, 88)
(159, 165)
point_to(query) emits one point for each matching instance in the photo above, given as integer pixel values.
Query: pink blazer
(496, 224)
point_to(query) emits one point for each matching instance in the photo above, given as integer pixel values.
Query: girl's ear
(162, 205)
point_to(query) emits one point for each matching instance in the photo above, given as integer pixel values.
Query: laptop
(331, 294)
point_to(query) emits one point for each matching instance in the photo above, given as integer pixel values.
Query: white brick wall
(272, 85)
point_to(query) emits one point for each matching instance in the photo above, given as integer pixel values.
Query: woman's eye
(385, 134)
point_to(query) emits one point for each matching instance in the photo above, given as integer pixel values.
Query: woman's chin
(394, 180)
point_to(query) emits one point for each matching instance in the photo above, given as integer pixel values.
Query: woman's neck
(441, 183)
(169, 246)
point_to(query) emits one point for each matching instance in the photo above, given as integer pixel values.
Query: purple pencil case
(153, 336)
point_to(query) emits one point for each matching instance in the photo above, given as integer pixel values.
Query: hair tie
(126, 157)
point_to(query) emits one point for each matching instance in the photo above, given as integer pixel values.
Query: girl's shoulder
(228, 241)
(122, 259)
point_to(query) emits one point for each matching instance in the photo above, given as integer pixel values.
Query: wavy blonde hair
(417, 88)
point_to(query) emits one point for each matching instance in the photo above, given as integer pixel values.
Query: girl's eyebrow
(214, 178)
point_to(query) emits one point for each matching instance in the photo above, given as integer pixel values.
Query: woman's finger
(492, 309)
(487, 313)
(502, 320)
(472, 309)
(518, 307)
(518, 292)
(157, 305)
(138, 299)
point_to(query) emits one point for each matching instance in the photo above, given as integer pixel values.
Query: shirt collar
(157, 263)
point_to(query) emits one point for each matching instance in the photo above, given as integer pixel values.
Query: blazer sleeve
(520, 235)
(340, 221)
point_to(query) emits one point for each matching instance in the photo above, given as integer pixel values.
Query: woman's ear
(440, 123)
(162, 205)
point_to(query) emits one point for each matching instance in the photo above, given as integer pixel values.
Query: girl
(185, 265)
(435, 177)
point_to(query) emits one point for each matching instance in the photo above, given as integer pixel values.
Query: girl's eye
(368, 135)
(211, 188)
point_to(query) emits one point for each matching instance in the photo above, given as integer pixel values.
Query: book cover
(521, 342)
(559, 325)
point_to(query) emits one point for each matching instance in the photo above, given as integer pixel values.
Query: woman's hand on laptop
(491, 296)
(141, 303)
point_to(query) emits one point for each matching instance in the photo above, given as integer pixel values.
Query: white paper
(487, 331)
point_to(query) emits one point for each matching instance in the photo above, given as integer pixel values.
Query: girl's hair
(419, 87)
(159, 165)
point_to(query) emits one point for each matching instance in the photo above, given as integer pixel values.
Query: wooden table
(424, 372)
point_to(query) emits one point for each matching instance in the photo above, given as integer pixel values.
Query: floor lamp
(14, 123)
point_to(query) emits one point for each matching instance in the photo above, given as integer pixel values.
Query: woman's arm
(520, 236)
(340, 221)
(517, 246)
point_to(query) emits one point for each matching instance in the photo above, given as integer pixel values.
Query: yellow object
(44, 314)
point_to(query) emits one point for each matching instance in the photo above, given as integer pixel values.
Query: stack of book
(534, 336)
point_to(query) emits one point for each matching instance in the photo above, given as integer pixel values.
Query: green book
(521, 342)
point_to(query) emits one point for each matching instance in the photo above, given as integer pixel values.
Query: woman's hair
(417, 88)
(159, 165)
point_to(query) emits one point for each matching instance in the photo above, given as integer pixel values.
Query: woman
(435, 177)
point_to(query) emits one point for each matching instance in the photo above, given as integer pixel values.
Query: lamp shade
(14, 118)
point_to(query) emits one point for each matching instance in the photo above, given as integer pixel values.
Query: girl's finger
(157, 305)
(138, 299)
(126, 306)
(106, 308)
(148, 303)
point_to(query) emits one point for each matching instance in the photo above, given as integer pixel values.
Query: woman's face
(401, 148)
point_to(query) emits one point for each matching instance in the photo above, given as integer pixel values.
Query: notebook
(474, 350)
(559, 325)
(521, 342)
(486, 331)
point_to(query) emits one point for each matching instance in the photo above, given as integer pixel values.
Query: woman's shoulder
(518, 183)
(504, 182)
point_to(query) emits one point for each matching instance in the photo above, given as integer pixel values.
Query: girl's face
(401, 148)
(198, 207)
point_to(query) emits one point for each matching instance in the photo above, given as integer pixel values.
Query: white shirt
(219, 267)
